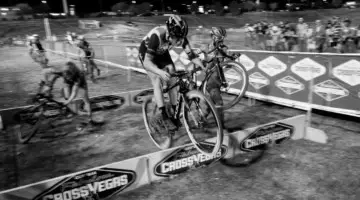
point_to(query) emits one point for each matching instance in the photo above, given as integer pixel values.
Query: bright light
(4, 9)
(3, 13)
(201, 9)
(133, 2)
(43, 1)
(194, 2)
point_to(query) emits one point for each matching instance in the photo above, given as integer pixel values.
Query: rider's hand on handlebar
(164, 75)
(236, 55)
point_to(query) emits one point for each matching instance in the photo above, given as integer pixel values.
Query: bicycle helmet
(219, 33)
(81, 37)
(177, 26)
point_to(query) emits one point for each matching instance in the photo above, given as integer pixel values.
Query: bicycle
(32, 118)
(232, 70)
(189, 96)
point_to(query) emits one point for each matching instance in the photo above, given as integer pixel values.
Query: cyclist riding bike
(36, 50)
(156, 60)
(87, 54)
(218, 35)
(75, 85)
(37, 53)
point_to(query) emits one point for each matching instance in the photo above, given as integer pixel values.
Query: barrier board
(286, 78)
(120, 177)
(101, 102)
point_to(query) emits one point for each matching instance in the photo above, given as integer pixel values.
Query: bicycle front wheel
(202, 123)
(235, 86)
(150, 110)
(29, 121)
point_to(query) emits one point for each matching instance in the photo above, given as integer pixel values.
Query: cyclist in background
(36, 50)
(217, 34)
(87, 54)
(155, 57)
(37, 53)
(75, 85)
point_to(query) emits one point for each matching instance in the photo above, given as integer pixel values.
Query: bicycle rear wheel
(29, 120)
(160, 139)
(202, 123)
(237, 81)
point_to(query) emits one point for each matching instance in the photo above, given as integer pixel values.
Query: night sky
(95, 5)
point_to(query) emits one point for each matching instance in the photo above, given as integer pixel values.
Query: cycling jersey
(35, 45)
(85, 46)
(212, 45)
(157, 43)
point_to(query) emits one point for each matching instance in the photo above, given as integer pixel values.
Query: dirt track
(296, 170)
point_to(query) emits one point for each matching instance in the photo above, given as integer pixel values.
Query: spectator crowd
(335, 36)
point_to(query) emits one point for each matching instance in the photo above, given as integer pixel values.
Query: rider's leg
(94, 66)
(159, 98)
(84, 95)
(174, 91)
(157, 86)
(48, 81)
(213, 87)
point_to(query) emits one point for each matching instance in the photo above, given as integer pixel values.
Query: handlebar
(183, 73)
(44, 98)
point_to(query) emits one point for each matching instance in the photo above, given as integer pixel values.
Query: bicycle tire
(219, 130)
(238, 68)
(237, 158)
(31, 119)
(148, 127)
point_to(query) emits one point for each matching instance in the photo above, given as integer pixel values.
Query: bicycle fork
(221, 73)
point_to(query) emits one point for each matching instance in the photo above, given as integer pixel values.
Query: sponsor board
(258, 81)
(308, 69)
(330, 90)
(183, 159)
(272, 66)
(174, 56)
(107, 102)
(232, 76)
(184, 58)
(246, 62)
(179, 66)
(96, 184)
(276, 133)
(349, 72)
(132, 52)
(289, 85)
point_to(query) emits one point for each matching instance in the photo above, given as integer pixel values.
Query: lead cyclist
(156, 60)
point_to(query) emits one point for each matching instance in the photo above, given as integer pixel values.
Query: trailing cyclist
(37, 53)
(87, 54)
(36, 50)
(217, 34)
(155, 57)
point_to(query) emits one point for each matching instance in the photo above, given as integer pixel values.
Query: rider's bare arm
(192, 56)
(74, 91)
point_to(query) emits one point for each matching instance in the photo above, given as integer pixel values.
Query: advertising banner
(335, 79)
(116, 178)
(97, 183)
(286, 78)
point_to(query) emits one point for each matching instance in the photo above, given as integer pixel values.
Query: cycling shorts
(160, 60)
